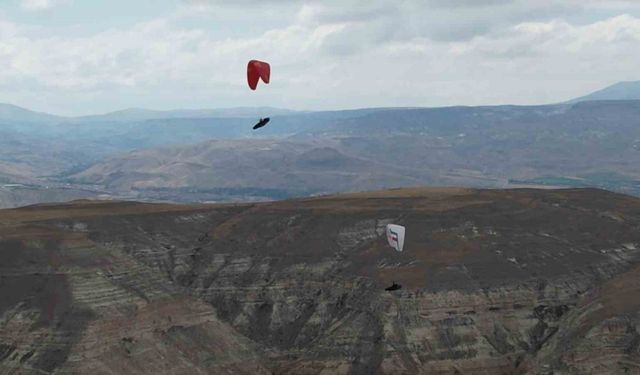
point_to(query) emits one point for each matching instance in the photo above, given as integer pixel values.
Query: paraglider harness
(393, 287)
(261, 123)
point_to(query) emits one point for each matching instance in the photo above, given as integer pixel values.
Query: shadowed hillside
(513, 281)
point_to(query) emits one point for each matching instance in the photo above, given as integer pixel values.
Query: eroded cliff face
(517, 281)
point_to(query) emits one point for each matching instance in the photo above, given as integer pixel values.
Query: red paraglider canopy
(257, 70)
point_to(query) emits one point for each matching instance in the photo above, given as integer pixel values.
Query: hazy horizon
(178, 109)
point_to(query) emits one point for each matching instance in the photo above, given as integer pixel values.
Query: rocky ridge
(514, 281)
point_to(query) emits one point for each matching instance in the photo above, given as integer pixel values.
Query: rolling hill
(265, 168)
(592, 143)
(15, 114)
(619, 91)
(583, 144)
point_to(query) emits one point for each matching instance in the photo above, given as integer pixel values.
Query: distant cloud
(328, 54)
(446, 20)
(243, 2)
(39, 5)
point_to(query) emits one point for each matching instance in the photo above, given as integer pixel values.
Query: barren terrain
(513, 281)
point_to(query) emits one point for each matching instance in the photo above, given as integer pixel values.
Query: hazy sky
(90, 56)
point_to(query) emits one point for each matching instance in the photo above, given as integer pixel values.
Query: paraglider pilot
(261, 123)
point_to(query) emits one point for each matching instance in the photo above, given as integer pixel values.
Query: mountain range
(213, 155)
(629, 90)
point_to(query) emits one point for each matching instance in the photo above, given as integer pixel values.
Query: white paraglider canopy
(395, 236)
